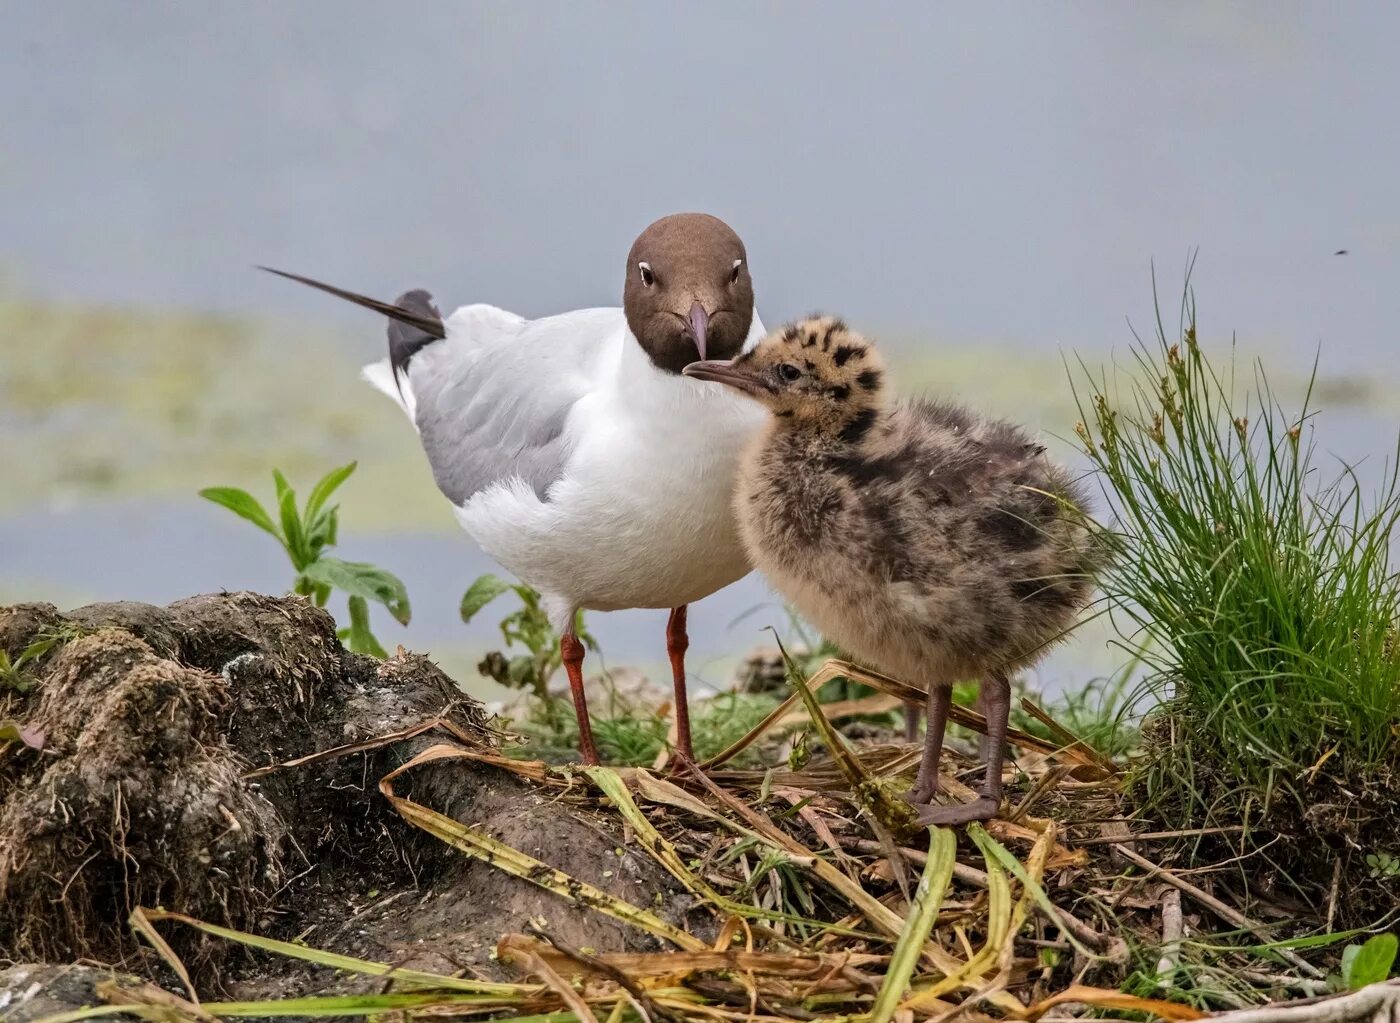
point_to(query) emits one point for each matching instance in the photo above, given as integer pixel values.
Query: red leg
(677, 642)
(572, 652)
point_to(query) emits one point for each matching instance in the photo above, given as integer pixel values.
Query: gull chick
(931, 543)
(571, 447)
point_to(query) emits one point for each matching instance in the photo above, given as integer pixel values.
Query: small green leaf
(244, 505)
(9, 675)
(13, 731)
(1349, 955)
(358, 638)
(291, 521)
(321, 531)
(485, 589)
(1370, 963)
(325, 487)
(359, 579)
(38, 649)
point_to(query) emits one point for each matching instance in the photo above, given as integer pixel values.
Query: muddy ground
(139, 796)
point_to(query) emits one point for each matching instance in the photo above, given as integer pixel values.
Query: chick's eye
(648, 278)
(734, 271)
(788, 371)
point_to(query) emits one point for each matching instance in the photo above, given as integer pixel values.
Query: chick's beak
(699, 325)
(724, 371)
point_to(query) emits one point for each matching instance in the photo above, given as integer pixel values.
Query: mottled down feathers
(926, 540)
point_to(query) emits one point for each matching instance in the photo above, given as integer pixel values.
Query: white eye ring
(648, 278)
(734, 271)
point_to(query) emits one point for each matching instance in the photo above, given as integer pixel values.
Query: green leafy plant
(1382, 864)
(631, 729)
(529, 627)
(305, 534)
(626, 733)
(1101, 711)
(1368, 963)
(14, 673)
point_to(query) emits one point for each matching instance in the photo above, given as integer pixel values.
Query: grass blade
(928, 897)
(141, 923)
(519, 864)
(349, 964)
(612, 785)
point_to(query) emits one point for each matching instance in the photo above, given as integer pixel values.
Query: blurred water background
(983, 187)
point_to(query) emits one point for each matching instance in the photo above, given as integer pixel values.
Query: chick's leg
(926, 784)
(911, 721)
(984, 742)
(996, 689)
(571, 652)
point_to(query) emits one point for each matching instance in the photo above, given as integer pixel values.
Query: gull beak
(699, 325)
(723, 371)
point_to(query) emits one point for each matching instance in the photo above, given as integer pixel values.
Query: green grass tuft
(632, 734)
(1259, 592)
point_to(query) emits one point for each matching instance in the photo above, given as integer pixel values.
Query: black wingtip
(405, 339)
(430, 325)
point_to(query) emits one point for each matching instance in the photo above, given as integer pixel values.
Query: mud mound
(154, 717)
(136, 799)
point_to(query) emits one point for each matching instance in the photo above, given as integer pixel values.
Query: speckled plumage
(929, 542)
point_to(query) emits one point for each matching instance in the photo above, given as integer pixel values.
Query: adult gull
(572, 448)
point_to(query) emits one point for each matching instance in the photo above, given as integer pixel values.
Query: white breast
(643, 516)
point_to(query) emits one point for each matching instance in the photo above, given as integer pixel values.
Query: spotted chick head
(816, 374)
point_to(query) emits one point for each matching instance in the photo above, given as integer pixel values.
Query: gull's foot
(920, 794)
(984, 808)
(681, 765)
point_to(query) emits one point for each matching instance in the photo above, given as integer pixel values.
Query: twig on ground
(961, 871)
(1379, 1003)
(1172, 930)
(1149, 836)
(1227, 913)
(1336, 891)
(1259, 978)
(646, 1008)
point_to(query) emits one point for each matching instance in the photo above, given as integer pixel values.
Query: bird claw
(984, 808)
(920, 795)
(682, 765)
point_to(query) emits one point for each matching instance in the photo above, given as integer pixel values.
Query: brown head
(817, 374)
(688, 294)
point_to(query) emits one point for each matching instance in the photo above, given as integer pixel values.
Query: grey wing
(490, 412)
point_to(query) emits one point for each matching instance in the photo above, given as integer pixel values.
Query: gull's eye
(787, 371)
(734, 271)
(648, 278)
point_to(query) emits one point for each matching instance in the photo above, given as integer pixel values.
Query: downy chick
(928, 542)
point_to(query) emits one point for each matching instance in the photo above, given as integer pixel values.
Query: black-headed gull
(572, 448)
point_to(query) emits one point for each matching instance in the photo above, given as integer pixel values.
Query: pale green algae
(104, 403)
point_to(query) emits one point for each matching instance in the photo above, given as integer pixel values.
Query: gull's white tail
(380, 376)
